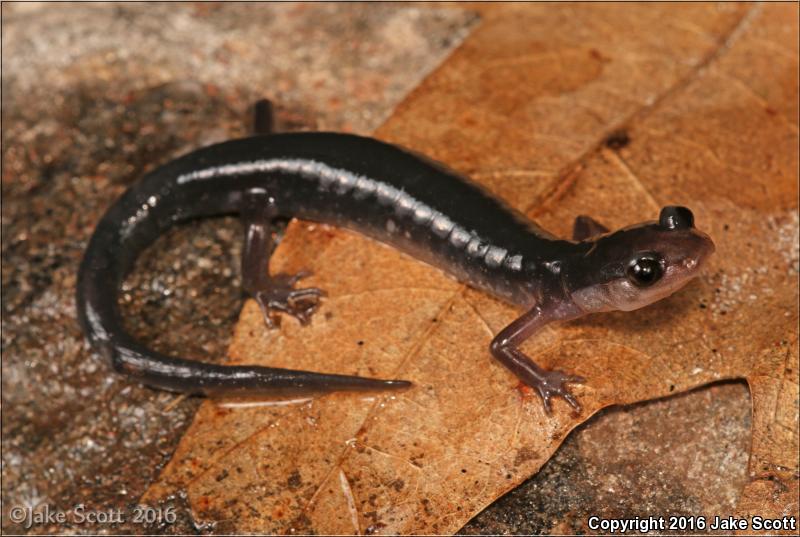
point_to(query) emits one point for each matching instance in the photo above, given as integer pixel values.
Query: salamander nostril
(676, 217)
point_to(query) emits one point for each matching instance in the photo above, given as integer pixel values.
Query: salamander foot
(552, 383)
(547, 383)
(505, 348)
(281, 296)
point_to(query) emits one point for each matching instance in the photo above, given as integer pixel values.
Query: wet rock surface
(636, 461)
(73, 431)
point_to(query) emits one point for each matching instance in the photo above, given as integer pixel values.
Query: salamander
(397, 197)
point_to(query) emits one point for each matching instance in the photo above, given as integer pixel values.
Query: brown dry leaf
(707, 95)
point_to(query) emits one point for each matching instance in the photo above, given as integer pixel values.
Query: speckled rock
(94, 96)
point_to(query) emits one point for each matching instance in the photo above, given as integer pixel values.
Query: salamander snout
(684, 246)
(642, 264)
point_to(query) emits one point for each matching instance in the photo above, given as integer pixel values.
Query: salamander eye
(645, 271)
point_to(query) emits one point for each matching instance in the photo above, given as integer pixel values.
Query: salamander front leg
(273, 293)
(505, 348)
(586, 227)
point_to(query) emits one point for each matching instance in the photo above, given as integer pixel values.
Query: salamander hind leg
(281, 296)
(263, 117)
(274, 294)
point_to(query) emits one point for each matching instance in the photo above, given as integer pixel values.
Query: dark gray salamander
(395, 197)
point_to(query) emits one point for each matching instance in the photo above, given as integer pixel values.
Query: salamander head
(638, 265)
